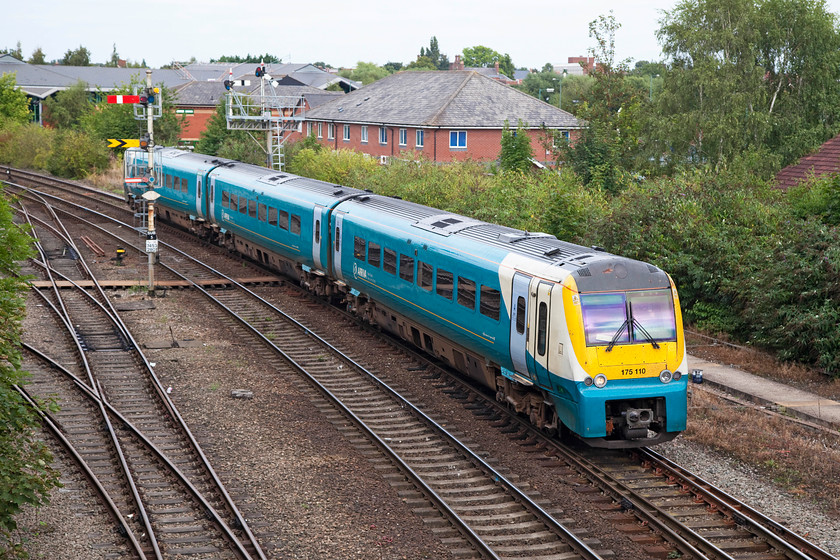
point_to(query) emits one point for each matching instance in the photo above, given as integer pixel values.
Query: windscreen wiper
(617, 335)
(646, 334)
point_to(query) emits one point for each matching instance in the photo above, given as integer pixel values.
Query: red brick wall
(482, 145)
(196, 123)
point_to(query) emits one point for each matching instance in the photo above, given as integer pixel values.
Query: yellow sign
(123, 143)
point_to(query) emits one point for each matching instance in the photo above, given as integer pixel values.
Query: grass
(798, 459)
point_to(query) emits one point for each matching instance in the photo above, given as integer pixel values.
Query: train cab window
(225, 199)
(520, 315)
(489, 302)
(407, 268)
(466, 292)
(389, 263)
(374, 254)
(295, 226)
(284, 220)
(272, 216)
(177, 184)
(445, 283)
(262, 212)
(359, 248)
(252, 208)
(425, 275)
(185, 184)
(542, 328)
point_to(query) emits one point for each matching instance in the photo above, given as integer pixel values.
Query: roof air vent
(584, 272)
(552, 252)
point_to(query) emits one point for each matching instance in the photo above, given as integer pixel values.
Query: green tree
(66, 108)
(75, 155)
(516, 150)
(440, 61)
(78, 57)
(14, 106)
(365, 72)
(25, 473)
(115, 58)
(393, 67)
(17, 52)
(480, 56)
(422, 63)
(37, 57)
(217, 140)
(249, 58)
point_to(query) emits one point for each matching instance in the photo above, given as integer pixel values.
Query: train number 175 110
(633, 371)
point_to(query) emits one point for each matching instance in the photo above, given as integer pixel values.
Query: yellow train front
(612, 359)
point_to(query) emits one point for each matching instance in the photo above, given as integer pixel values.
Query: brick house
(446, 116)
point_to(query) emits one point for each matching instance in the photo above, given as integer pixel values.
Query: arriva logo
(360, 272)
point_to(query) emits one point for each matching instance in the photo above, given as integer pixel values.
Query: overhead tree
(393, 67)
(422, 63)
(365, 72)
(77, 57)
(17, 52)
(439, 61)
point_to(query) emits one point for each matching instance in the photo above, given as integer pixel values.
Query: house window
(330, 131)
(364, 134)
(320, 134)
(383, 135)
(457, 139)
(346, 132)
(403, 137)
(419, 140)
(309, 129)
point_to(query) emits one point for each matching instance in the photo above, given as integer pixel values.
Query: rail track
(646, 492)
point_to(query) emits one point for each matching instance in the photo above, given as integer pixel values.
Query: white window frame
(383, 135)
(457, 134)
(403, 137)
(309, 129)
(364, 133)
(419, 137)
(346, 132)
(320, 130)
(330, 131)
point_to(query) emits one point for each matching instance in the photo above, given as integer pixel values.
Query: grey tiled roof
(304, 73)
(208, 94)
(97, 77)
(442, 99)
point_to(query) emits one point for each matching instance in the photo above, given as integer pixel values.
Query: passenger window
(234, 202)
(185, 184)
(262, 212)
(225, 199)
(445, 283)
(252, 208)
(177, 185)
(295, 224)
(425, 275)
(407, 268)
(243, 205)
(359, 248)
(272, 216)
(466, 292)
(167, 181)
(374, 254)
(489, 302)
(542, 327)
(520, 315)
(284, 220)
(389, 263)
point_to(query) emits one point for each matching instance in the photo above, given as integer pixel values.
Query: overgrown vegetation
(25, 473)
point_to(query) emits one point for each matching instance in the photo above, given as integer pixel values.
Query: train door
(339, 222)
(519, 324)
(211, 190)
(199, 183)
(539, 324)
(317, 217)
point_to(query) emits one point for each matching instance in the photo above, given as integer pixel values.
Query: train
(582, 342)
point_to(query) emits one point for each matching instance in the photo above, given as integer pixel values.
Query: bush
(27, 146)
(77, 155)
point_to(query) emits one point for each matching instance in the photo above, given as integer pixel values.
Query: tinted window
(542, 327)
(466, 292)
(272, 216)
(389, 264)
(262, 212)
(374, 254)
(489, 302)
(406, 268)
(445, 283)
(177, 186)
(252, 208)
(425, 275)
(184, 184)
(284, 220)
(520, 315)
(225, 199)
(295, 224)
(243, 205)
(359, 248)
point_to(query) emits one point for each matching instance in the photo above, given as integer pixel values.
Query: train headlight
(588, 381)
(677, 375)
(665, 376)
(600, 380)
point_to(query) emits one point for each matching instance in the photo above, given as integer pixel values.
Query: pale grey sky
(340, 33)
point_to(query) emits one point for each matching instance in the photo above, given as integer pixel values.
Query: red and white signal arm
(123, 99)
(136, 180)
